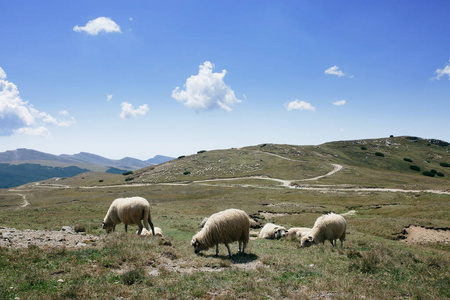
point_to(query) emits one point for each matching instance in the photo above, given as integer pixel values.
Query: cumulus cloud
(20, 117)
(299, 105)
(101, 24)
(109, 97)
(206, 91)
(334, 70)
(442, 72)
(340, 103)
(128, 110)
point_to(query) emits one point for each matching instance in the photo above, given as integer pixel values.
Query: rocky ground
(66, 237)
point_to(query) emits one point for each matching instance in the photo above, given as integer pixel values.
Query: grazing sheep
(129, 211)
(297, 232)
(272, 231)
(145, 232)
(223, 227)
(328, 227)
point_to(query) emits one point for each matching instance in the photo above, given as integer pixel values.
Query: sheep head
(307, 241)
(108, 227)
(280, 232)
(198, 246)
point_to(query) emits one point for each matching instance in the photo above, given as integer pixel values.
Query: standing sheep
(297, 232)
(223, 227)
(129, 211)
(272, 231)
(328, 227)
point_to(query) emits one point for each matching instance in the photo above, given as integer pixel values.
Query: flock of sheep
(224, 227)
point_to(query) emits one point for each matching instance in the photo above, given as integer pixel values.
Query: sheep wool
(328, 227)
(145, 232)
(223, 227)
(130, 211)
(297, 232)
(272, 231)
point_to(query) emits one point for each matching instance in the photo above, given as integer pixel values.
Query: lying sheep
(129, 211)
(297, 232)
(272, 231)
(328, 227)
(223, 227)
(145, 232)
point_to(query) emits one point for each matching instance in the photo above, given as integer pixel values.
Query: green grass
(373, 264)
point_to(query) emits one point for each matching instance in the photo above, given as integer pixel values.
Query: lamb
(297, 232)
(272, 231)
(145, 232)
(129, 211)
(223, 227)
(328, 227)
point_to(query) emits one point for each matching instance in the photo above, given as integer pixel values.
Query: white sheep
(145, 232)
(328, 227)
(272, 231)
(129, 211)
(297, 232)
(223, 227)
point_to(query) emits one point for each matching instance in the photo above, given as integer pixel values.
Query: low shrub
(414, 168)
(440, 174)
(379, 154)
(444, 164)
(127, 173)
(427, 173)
(201, 151)
(129, 178)
(408, 159)
(182, 156)
(363, 148)
(186, 173)
(433, 171)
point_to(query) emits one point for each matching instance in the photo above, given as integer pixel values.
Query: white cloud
(334, 70)
(299, 105)
(39, 131)
(339, 103)
(128, 110)
(18, 116)
(443, 72)
(101, 24)
(2, 74)
(206, 91)
(109, 97)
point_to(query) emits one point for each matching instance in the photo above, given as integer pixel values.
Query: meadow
(375, 263)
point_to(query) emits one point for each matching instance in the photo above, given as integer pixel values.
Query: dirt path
(25, 202)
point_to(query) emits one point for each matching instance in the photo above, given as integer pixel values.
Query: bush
(440, 174)
(433, 171)
(414, 168)
(129, 178)
(127, 173)
(363, 148)
(201, 151)
(379, 154)
(186, 173)
(426, 173)
(182, 156)
(408, 159)
(444, 164)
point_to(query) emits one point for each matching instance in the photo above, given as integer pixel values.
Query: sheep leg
(331, 241)
(126, 228)
(229, 250)
(217, 250)
(151, 226)
(140, 229)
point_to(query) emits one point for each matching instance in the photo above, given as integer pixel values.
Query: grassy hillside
(374, 263)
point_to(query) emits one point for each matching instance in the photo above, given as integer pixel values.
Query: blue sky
(141, 78)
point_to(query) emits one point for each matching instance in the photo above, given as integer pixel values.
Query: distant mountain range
(26, 165)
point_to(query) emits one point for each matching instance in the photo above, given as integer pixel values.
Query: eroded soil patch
(423, 235)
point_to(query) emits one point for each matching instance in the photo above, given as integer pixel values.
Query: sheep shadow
(238, 258)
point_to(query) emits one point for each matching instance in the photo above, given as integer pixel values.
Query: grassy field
(373, 264)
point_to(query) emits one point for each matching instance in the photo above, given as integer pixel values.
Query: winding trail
(25, 202)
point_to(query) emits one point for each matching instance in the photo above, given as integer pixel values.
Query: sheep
(129, 211)
(223, 227)
(145, 232)
(272, 231)
(328, 227)
(297, 232)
